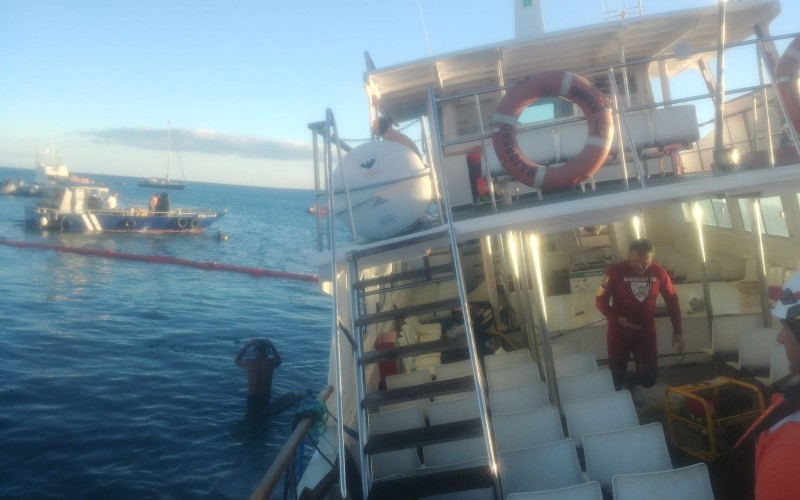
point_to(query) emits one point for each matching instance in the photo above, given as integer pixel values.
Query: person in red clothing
(627, 298)
(778, 430)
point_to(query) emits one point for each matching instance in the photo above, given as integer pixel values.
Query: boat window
(707, 216)
(721, 213)
(545, 109)
(771, 213)
(713, 212)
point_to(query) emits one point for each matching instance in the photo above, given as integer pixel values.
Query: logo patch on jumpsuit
(640, 287)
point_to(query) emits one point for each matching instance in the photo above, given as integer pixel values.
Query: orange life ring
(787, 75)
(574, 88)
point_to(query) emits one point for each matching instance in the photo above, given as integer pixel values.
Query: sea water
(117, 377)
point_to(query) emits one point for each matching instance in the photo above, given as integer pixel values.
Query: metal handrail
(330, 126)
(624, 117)
(480, 385)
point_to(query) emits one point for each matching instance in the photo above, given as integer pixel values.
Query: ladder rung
(424, 436)
(400, 242)
(406, 275)
(405, 351)
(435, 483)
(393, 314)
(431, 389)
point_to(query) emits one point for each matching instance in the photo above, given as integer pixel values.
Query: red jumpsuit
(624, 292)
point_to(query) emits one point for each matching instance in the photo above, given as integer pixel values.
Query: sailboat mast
(169, 144)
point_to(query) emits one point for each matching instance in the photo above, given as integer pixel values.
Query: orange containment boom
(163, 259)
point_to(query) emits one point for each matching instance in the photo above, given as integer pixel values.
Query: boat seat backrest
(455, 452)
(755, 347)
(408, 379)
(692, 481)
(513, 376)
(585, 385)
(457, 369)
(675, 125)
(398, 462)
(583, 491)
(544, 467)
(509, 358)
(640, 125)
(575, 364)
(633, 450)
(566, 347)
(607, 412)
(445, 412)
(725, 331)
(520, 398)
(513, 431)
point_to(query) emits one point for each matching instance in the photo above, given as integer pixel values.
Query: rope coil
(318, 411)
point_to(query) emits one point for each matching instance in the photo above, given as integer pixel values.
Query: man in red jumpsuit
(627, 297)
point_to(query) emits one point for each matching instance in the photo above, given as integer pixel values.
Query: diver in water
(259, 369)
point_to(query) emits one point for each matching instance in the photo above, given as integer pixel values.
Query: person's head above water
(260, 347)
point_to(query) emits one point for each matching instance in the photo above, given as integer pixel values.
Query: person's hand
(677, 342)
(623, 322)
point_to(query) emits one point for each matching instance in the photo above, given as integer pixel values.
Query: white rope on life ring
(194, 223)
(574, 88)
(182, 222)
(787, 75)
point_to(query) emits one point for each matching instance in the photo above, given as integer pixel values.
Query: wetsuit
(624, 292)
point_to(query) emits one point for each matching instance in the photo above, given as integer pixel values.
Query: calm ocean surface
(117, 377)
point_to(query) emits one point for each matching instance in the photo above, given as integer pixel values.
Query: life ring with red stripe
(787, 74)
(574, 88)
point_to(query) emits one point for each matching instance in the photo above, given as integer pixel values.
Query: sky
(238, 81)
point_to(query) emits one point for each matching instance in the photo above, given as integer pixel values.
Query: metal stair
(426, 481)
(396, 270)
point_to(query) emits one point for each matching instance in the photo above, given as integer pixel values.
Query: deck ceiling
(403, 88)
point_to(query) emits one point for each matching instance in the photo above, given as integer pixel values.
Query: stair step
(424, 436)
(435, 483)
(406, 351)
(393, 314)
(426, 273)
(439, 233)
(421, 391)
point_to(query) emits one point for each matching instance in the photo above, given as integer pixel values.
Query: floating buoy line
(163, 259)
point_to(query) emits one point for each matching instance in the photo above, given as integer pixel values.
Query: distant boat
(8, 187)
(85, 209)
(164, 182)
(50, 174)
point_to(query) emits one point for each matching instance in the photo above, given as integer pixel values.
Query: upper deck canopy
(403, 88)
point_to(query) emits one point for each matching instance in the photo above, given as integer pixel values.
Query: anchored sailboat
(165, 182)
